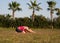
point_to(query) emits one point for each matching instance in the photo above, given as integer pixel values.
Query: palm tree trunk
(33, 15)
(51, 18)
(13, 14)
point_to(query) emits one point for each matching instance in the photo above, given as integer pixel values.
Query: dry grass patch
(9, 35)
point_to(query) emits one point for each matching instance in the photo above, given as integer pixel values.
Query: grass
(9, 35)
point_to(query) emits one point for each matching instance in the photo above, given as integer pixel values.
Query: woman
(24, 29)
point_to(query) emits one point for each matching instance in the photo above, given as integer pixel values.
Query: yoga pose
(24, 29)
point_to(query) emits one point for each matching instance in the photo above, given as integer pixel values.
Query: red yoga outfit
(21, 28)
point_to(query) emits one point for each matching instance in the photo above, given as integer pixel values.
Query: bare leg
(23, 32)
(29, 30)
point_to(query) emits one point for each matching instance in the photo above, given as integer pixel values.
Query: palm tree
(51, 8)
(35, 7)
(14, 6)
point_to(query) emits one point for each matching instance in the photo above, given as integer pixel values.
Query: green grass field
(9, 35)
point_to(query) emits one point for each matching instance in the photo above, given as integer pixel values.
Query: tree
(14, 6)
(51, 8)
(35, 7)
(40, 21)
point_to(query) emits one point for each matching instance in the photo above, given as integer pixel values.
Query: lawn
(9, 35)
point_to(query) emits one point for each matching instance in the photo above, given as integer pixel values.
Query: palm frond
(31, 2)
(39, 7)
(9, 8)
(19, 9)
(35, 1)
(51, 3)
(57, 13)
(14, 6)
(30, 7)
(48, 8)
(39, 4)
(10, 5)
(34, 5)
(17, 4)
(28, 4)
(56, 9)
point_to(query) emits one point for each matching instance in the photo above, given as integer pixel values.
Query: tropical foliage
(35, 7)
(51, 5)
(40, 22)
(14, 6)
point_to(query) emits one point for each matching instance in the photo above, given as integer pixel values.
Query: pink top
(21, 28)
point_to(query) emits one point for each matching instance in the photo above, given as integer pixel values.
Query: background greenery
(39, 22)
